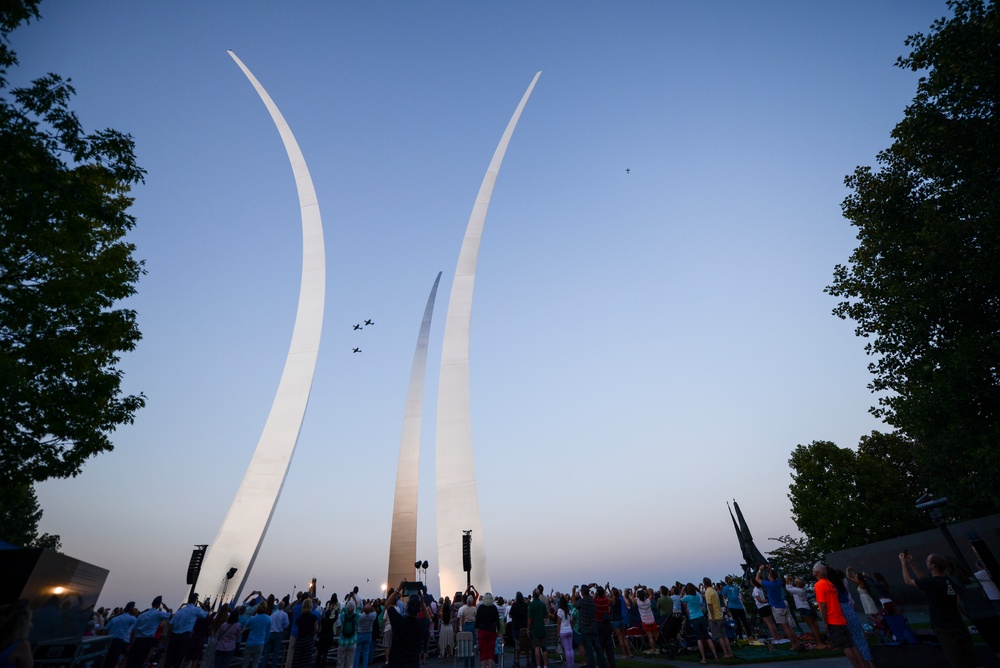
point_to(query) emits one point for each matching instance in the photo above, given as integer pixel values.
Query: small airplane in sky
(368, 322)
(628, 170)
(357, 326)
(357, 350)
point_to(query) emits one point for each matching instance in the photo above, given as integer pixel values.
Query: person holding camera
(942, 599)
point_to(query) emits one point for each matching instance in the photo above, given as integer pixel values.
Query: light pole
(933, 507)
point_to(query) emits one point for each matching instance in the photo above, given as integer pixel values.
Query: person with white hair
(467, 623)
(348, 641)
(487, 630)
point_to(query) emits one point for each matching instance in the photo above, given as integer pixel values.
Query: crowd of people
(592, 623)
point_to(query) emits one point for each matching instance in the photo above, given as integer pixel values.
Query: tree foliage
(794, 556)
(843, 498)
(65, 264)
(19, 517)
(923, 285)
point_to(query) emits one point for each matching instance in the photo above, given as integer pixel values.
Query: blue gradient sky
(645, 346)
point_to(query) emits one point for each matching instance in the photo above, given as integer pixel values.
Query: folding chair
(636, 638)
(465, 647)
(552, 643)
(523, 646)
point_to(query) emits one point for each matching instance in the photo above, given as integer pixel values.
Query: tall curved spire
(242, 532)
(403, 537)
(455, 474)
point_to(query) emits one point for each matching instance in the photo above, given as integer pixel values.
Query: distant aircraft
(357, 327)
(628, 170)
(368, 322)
(357, 350)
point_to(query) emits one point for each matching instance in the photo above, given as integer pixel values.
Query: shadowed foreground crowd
(587, 625)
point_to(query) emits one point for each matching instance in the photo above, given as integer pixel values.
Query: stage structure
(242, 532)
(403, 536)
(455, 475)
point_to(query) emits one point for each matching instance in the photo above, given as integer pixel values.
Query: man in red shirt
(829, 610)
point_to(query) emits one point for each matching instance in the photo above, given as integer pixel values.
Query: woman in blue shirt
(691, 604)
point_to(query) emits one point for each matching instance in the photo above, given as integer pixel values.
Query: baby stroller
(667, 641)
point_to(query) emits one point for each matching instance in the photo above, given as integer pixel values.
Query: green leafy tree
(19, 516)
(64, 266)
(794, 556)
(844, 498)
(923, 285)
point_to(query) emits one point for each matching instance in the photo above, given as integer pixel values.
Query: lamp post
(933, 507)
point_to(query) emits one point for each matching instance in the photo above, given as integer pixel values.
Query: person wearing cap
(406, 630)
(181, 625)
(119, 628)
(144, 632)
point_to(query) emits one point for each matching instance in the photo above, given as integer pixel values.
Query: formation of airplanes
(358, 326)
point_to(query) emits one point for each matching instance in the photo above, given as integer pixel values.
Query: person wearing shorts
(776, 599)
(734, 603)
(699, 624)
(764, 610)
(796, 588)
(833, 616)
(537, 612)
(618, 621)
(716, 620)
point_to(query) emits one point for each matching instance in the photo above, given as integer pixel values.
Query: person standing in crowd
(306, 628)
(644, 602)
(329, 624)
(258, 626)
(182, 624)
(830, 610)
(276, 637)
(605, 634)
(716, 620)
(446, 637)
(227, 637)
(347, 645)
(691, 604)
(776, 599)
(119, 628)
(860, 581)
(942, 599)
(537, 615)
(733, 599)
(367, 619)
(502, 608)
(764, 609)
(144, 632)
(487, 630)
(854, 626)
(587, 623)
(406, 630)
(796, 588)
(467, 623)
(518, 621)
(618, 622)
(564, 619)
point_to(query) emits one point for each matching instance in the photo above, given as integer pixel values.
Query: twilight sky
(645, 345)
